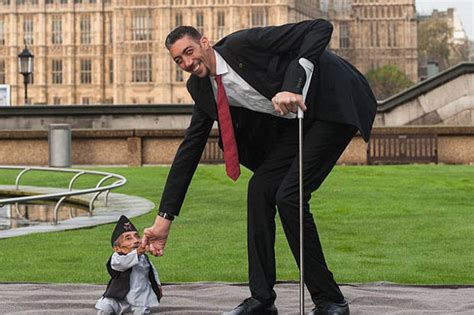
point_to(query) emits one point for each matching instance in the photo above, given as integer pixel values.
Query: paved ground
(118, 204)
(213, 298)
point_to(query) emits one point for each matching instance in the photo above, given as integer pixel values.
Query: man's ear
(204, 42)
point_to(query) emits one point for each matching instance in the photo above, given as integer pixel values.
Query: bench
(212, 153)
(402, 149)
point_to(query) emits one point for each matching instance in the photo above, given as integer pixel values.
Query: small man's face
(193, 56)
(127, 242)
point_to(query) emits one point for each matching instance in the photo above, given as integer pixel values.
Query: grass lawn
(404, 224)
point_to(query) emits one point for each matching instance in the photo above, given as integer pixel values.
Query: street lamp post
(25, 63)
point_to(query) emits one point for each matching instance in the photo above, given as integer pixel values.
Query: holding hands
(155, 237)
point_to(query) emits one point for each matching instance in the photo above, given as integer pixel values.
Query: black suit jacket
(267, 58)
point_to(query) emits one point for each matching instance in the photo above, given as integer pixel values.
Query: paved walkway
(118, 204)
(213, 298)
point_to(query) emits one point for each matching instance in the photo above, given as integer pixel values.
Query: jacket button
(241, 65)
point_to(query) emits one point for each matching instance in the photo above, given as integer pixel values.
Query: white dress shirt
(240, 93)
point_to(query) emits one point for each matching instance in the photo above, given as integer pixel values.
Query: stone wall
(445, 99)
(149, 147)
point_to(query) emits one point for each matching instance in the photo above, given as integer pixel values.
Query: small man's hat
(123, 225)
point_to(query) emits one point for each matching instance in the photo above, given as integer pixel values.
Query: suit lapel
(201, 91)
(244, 69)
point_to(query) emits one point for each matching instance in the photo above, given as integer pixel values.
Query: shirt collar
(221, 65)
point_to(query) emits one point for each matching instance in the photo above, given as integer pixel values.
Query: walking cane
(308, 68)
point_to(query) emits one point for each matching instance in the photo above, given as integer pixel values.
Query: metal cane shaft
(308, 68)
(301, 216)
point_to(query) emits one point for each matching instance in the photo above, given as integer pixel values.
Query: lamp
(25, 63)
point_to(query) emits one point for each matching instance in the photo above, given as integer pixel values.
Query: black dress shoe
(329, 308)
(251, 306)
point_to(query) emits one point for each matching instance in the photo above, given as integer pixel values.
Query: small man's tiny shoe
(330, 308)
(251, 306)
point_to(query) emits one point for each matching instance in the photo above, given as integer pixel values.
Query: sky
(464, 8)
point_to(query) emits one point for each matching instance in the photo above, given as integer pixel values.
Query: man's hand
(285, 102)
(142, 249)
(156, 236)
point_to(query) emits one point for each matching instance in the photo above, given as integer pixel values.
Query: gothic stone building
(374, 33)
(112, 51)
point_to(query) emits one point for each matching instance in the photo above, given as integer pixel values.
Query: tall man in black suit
(258, 72)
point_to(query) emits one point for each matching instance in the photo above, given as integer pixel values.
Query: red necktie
(231, 155)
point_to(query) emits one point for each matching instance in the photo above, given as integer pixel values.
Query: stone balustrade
(136, 147)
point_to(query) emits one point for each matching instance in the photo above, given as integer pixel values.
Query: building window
(220, 24)
(178, 19)
(86, 101)
(110, 28)
(57, 31)
(141, 26)
(258, 17)
(86, 71)
(377, 37)
(85, 25)
(2, 71)
(371, 35)
(141, 68)
(200, 22)
(28, 30)
(344, 36)
(392, 34)
(57, 71)
(178, 74)
(111, 71)
(56, 100)
(2, 32)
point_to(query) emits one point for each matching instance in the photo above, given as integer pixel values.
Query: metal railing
(62, 196)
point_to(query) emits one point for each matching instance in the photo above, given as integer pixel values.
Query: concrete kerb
(118, 204)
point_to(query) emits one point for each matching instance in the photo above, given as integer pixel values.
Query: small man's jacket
(119, 284)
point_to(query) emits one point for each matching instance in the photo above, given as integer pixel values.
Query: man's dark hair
(179, 33)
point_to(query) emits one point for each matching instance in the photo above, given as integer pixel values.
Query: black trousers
(275, 185)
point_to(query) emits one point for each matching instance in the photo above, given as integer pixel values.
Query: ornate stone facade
(111, 51)
(374, 33)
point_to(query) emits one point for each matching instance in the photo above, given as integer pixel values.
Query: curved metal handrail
(74, 179)
(18, 177)
(56, 209)
(96, 195)
(64, 195)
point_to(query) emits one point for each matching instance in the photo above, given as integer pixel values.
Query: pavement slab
(215, 297)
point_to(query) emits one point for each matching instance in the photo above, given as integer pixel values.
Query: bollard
(59, 143)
